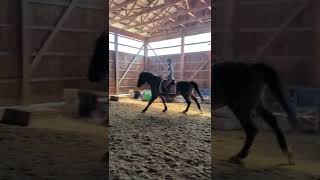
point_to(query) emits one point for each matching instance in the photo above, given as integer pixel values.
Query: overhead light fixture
(182, 25)
(209, 7)
(200, 21)
(203, 1)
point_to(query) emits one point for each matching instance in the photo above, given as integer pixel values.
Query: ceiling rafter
(168, 16)
(192, 19)
(148, 17)
(154, 8)
(120, 5)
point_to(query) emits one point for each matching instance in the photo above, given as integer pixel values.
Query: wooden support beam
(126, 33)
(116, 58)
(131, 63)
(270, 2)
(182, 53)
(50, 28)
(284, 25)
(120, 5)
(25, 51)
(157, 57)
(176, 33)
(35, 80)
(197, 72)
(53, 34)
(276, 29)
(145, 53)
(66, 4)
(315, 75)
(210, 67)
(168, 16)
(192, 19)
(151, 9)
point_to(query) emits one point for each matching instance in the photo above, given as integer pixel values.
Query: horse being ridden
(239, 86)
(183, 87)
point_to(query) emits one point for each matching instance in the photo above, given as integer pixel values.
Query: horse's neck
(154, 82)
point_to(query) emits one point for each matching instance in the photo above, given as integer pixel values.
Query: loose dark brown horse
(239, 86)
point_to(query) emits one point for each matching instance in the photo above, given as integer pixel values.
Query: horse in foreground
(99, 69)
(183, 88)
(239, 86)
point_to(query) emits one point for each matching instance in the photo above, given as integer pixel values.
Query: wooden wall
(279, 33)
(65, 61)
(10, 57)
(131, 78)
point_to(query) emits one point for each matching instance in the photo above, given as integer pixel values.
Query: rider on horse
(170, 79)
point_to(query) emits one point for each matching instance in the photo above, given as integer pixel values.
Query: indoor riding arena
(285, 35)
(143, 35)
(46, 131)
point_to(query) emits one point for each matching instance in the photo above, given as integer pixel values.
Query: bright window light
(197, 47)
(166, 43)
(111, 37)
(165, 51)
(129, 42)
(129, 50)
(197, 38)
(151, 53)
(111, 46)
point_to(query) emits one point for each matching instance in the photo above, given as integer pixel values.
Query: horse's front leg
(150, 102)
(164, 103)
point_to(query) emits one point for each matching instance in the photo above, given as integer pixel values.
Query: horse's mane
(98, 65)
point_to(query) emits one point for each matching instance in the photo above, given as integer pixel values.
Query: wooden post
(316, 43)
(182, 54)
(209, 57)
(116, 54)
(145, 53)
(25, 51)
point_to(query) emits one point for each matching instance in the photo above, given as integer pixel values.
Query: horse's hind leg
(196, 100)
(250, 129)
(164, 103)
(271, 120)
(187, 101)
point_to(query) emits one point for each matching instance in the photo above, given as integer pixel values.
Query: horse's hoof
(143, 111)
(164, 110)
(290, 158)
(184, 112)
(235, 160)
(201, 112)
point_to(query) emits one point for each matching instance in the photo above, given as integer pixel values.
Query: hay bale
(18, 117)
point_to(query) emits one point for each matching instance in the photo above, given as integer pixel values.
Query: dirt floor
(266, 160)
(53, 148)
(157, 145)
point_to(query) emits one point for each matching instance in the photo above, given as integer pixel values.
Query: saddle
(172, 87)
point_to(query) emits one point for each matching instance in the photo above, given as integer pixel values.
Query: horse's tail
(273, 81)
(196, 87)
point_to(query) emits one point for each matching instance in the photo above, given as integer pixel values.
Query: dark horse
(239, 86)
(99, 69)
(183, 87)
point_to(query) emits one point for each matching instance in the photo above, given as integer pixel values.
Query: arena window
(197, 43)
(165, 47)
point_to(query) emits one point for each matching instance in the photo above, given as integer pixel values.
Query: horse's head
(142, 79)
